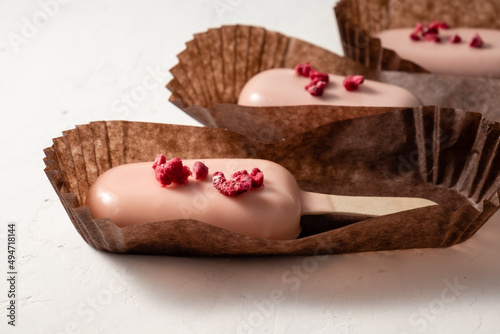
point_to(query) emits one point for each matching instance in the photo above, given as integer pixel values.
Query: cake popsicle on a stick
(283, 87)
(131, 194)
(440, 49)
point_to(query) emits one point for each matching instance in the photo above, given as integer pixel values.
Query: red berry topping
(160, 160)
(200, 170)
(318, 76)
(428, 32)
(316, 88)
(432, 38)
(414, 37)
(239, 183)
(431, 29)
(257, 178)
(318, 82)
(476, 41)
(352, 82)
(443, 25)
(455, 39)
(172, 171)
(303, 69)
(418, 28)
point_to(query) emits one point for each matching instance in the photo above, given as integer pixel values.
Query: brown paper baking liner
(446, 155)
(216, 64)
(358, 20)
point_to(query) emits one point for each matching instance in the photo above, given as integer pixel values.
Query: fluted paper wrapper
(446, 155)
(216, 64)
(359, 20)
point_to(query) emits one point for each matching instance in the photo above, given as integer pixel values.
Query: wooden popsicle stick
(316, 204)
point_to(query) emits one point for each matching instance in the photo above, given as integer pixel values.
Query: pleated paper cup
(445, 155)
(358, 21)
(216, 65)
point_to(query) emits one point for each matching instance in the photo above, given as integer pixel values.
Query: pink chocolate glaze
(129, 194)
(446, 57)
(282, 87)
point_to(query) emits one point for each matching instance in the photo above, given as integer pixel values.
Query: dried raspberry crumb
(239, 183)
(428, 32)
(162, 178)
(316, 88)
(414, 37)
(476, 41)
(257, 178)
(318, 76)
(160, 160)
(418, 28)
(318, 82)
(431, 30)
(200, 170)
(182, 177)
(455, 39)
(303, 69)
(432, 38)
(434, 26)
(172, 171)
(352, 82)
(443, 25)
(219, 181)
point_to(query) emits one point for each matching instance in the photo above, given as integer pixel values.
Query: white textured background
(81, 64)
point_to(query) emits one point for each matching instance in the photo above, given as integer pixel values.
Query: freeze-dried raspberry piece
(318, 82)
(432, 38)
(257, 178)
(434, 26)
(303, 69)
(239, 183)
(219, 181)
(443, 25)
(476, 41)
(200, 170)
(414, 37)
(455, 39)
(428, 32)
(162, 176)
(172, 171)
(318, 76)
(430, 29)
(352, 82)
(316, 88)
(418, 28)
(159, 160)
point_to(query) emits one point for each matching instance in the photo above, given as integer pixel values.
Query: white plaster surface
(78, 66)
